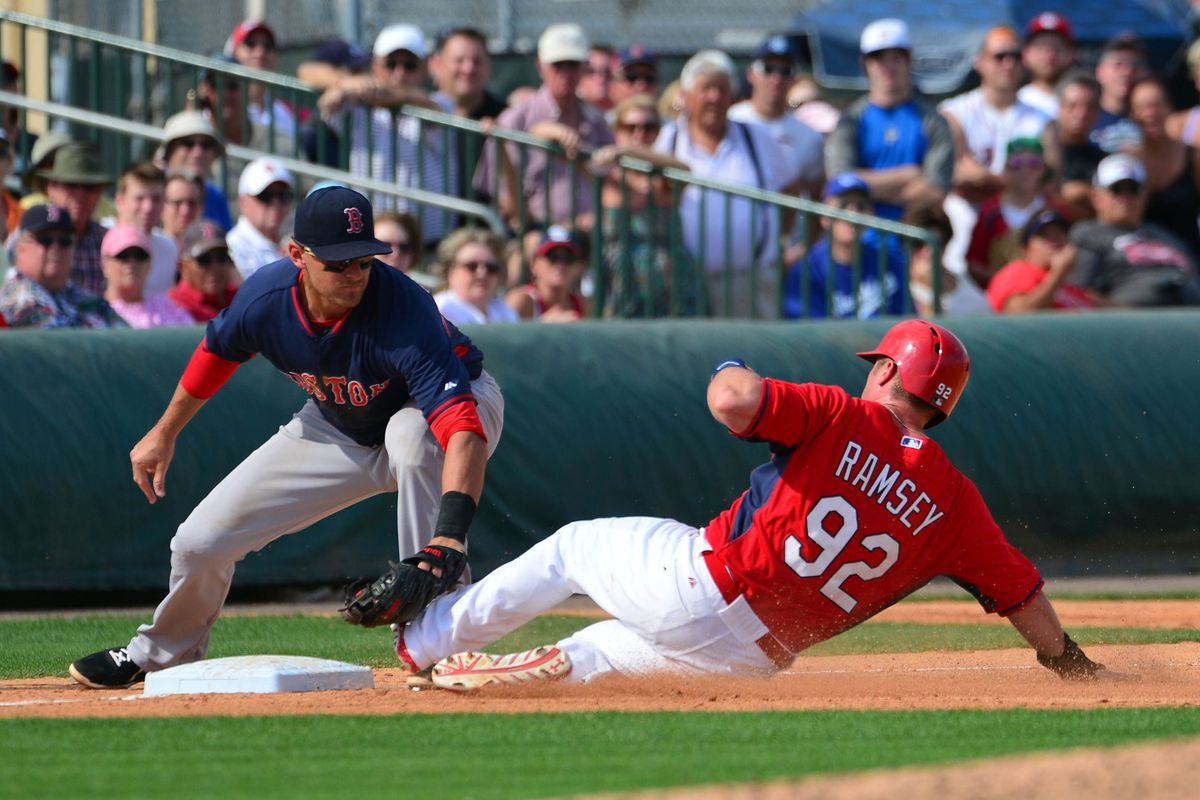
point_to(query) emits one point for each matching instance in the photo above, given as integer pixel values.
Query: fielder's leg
(415, 461)
(302, 474)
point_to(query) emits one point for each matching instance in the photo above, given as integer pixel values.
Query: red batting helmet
(933, 363)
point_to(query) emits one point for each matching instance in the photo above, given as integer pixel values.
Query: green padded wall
(1079, 430)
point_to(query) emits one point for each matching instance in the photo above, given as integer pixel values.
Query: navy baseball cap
(779, 46)
(838, 185)
(636, 54)
(337, 224)
(1041, 220)
(46, 218)
(557, 236)
(341, 53)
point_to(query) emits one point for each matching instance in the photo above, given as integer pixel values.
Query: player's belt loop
(772, 649)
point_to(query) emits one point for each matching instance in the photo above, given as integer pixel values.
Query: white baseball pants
(304, 473)
(648, 573)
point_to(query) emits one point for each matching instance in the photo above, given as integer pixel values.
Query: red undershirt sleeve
(206, 373)
(459, 416)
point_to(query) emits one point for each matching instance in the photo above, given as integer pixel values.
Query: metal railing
(647, 258)
(315, 172)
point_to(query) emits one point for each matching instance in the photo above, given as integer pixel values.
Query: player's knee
(409, 442)
(195, 543)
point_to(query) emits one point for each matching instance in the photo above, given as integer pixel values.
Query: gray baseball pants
(304, 473)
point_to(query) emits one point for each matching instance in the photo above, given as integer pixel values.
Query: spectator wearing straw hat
(266, 193)
(39, 293)
(76, 183)
(192, 144)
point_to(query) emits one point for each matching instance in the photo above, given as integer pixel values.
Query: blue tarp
(947, 33)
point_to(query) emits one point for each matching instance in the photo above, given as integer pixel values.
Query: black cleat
(108, 669)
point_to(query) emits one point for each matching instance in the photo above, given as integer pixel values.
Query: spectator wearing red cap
(1048, 52)
(39, 292)
(557, 268)
(254, 45)
(126, 259)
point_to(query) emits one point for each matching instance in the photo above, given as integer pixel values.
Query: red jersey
(850, 515)
(1022, 277)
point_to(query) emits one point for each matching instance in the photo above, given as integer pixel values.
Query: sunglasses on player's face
(340, 266)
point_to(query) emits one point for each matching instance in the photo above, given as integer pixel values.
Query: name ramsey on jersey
(880, 481)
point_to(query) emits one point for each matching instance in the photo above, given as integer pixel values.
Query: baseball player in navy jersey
(398, 402)
(856, 509)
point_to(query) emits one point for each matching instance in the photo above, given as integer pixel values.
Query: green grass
(521, 756)
(44, 646)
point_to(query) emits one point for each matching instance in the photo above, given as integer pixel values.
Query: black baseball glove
(401, 593)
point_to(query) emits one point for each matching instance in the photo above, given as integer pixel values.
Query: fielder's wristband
(454, 516)
(725, 363)
(1071, 664)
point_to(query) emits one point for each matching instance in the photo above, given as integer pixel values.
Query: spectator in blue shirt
(880, 287)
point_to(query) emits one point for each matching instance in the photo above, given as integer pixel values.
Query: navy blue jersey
(393, 347)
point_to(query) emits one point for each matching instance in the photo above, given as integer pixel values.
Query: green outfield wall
(1080, 430)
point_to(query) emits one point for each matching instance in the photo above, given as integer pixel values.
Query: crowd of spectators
(1048, 186)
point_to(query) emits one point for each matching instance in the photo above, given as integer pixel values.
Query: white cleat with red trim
(464, 672)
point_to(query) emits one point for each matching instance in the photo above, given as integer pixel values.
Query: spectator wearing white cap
(554, 113)
(265, 195)
(377, 133)
(126, 256)
(713, 146)
(890, 138)
(1124, 259)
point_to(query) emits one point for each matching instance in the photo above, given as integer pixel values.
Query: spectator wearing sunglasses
(192, 144)
(995, 239)
(983, 120)
(636, 73)
(126, 253)
(636, 217)
(1123, 258)
(265, 195)
(470, 261)
(826, 275)
(39, 292)
(253, 44)
(772, 68)
(557, 268)
(387, 146)
(207, 275)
